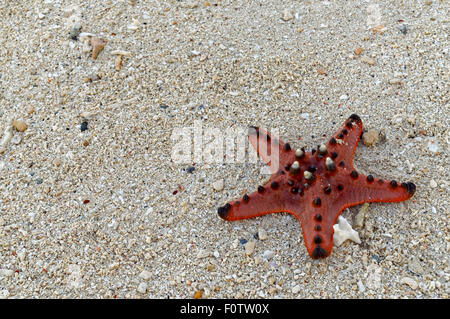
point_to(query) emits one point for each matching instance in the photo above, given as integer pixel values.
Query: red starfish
(314, 187)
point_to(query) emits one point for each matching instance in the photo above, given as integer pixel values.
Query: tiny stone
(262, 234)
(84, 126)
(415, 267)
(268, 254)
(249, 247)
(410, 282)
(142, 288)
(343, 97)
(75, 31)
(403, 29)
(370, 137)
(434, 148)
(198, 294)
(202, 254)
(358, 51)
(216, 254)
(30, 109)
(368, 60)
(190, 169)
(218, 185)
(296, 289)
(287, 15)
(39, 181)
(395, 81)
(242, 241)
(433, 184)
(19, 125)
(145, 274)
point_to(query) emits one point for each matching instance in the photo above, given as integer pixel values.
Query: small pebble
(30, 109)
(395, 81)
(75, 31)
(198, 294)
(242, 241)
(145, 274)
(268, 254)
(249, 247)
(190, 169)
(202, 254)
(118, 62)
(142, 288)
(403, 28)
(433, 184)
(262, 234)
(218, 185)
(287, 15)
(368, 60)
(358, 51)
(370, 137)
(84, 126)
(296, 289)
(415, 266)
(410, 282)
(343, 97)
(20, 126)
(39, 181)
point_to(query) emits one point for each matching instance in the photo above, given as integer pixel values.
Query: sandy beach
(93, 203)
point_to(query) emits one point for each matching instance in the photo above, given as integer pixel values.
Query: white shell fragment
(7, 135)
(343, 231)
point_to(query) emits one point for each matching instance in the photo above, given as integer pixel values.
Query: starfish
(314, 186)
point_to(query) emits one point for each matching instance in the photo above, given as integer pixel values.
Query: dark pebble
(403, 29)
(242, 241)
(84, 126)
(39, 181)
(163, 106)
(190, 169)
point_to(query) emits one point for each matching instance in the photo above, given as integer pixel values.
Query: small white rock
(287, 15)
(410, 282)
(433, 184)
(216, 254)
(268, 254)
(343, 231)
(262, 234)
(296, 289)
(202, 254)
(434, 148)
(343, 97)
(249, 247)
(218, 185)
(142, 288)
(145, 274)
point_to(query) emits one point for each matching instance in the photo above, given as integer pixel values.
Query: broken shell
(118, 62)
(19, 125)
(97, 46)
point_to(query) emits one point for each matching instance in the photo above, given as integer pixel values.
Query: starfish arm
(273, 151)
(366, 189)
(341, 146)
(267, 200)
(317, 220)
